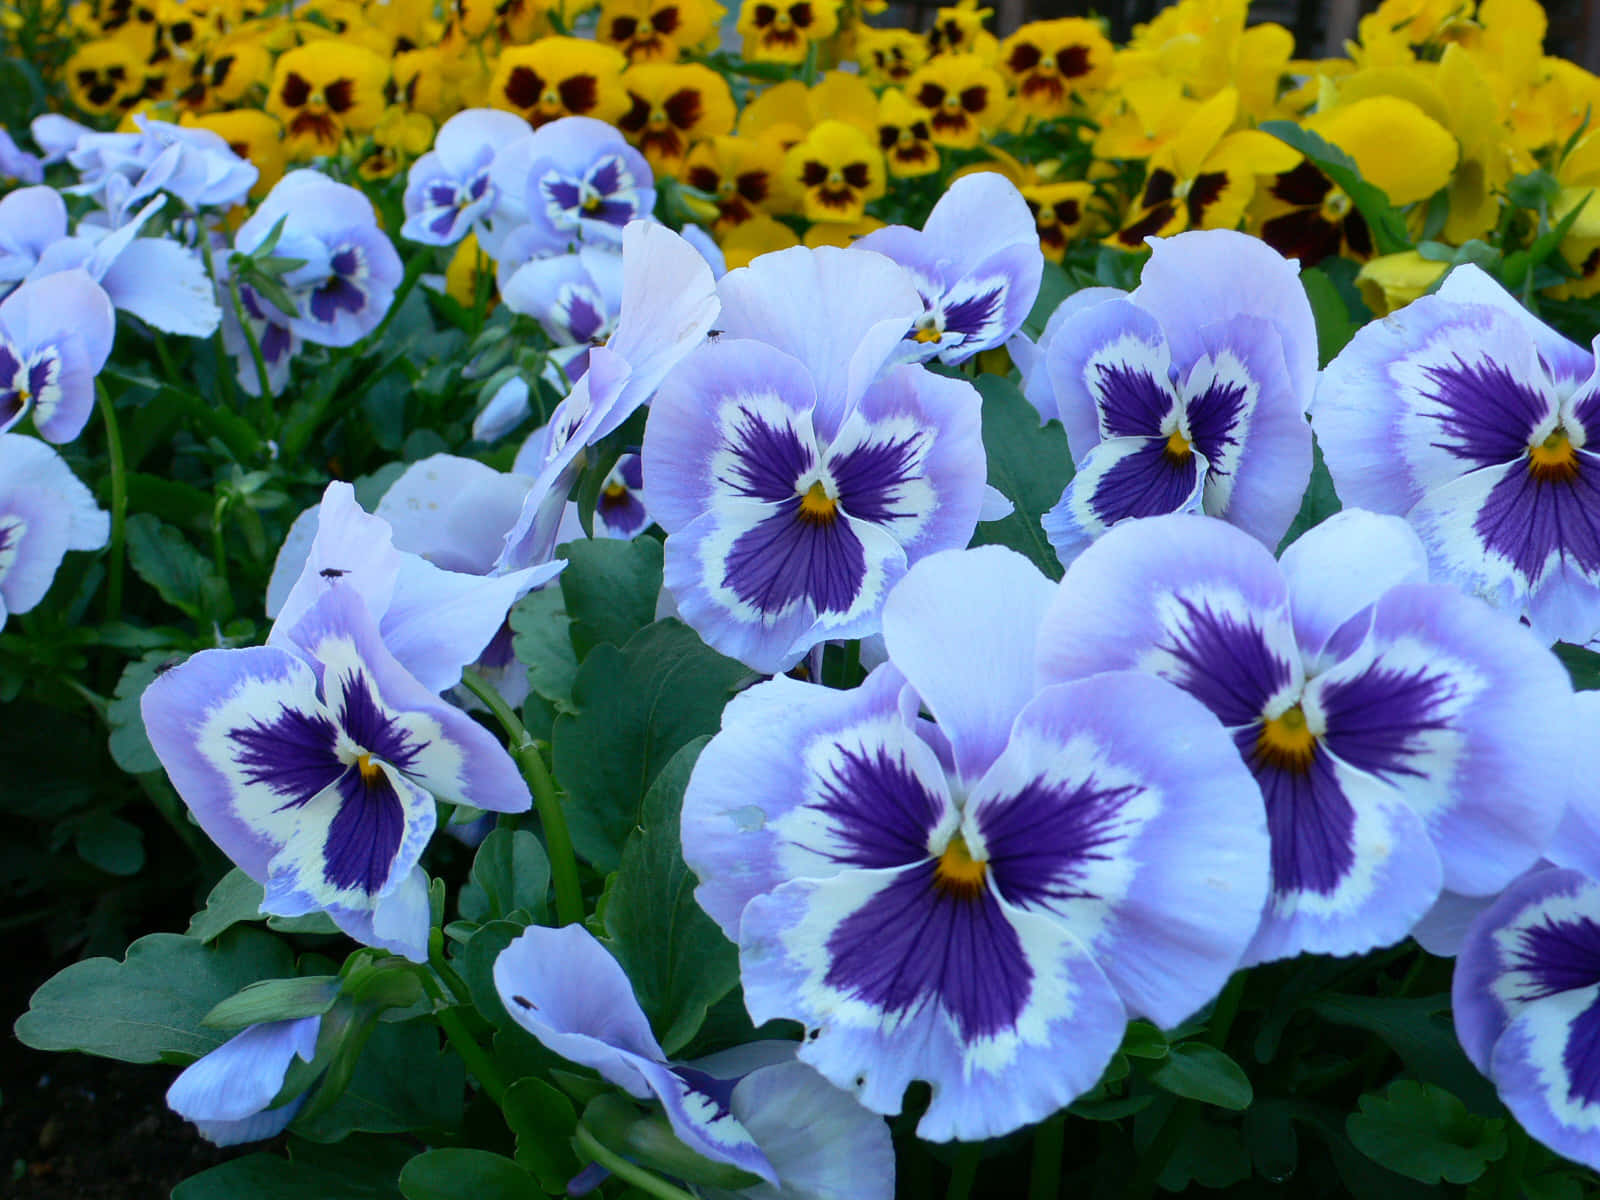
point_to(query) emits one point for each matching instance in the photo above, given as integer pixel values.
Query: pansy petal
(834, 768)
(700, 1110)
(453, 511)
(1120, 807)
(352, 549)
(974, 677)
(1576, 843)
(1188, 598)
(1122, 478)
(1109, 367)
(1443, 928)
(1462, 710)
(1001, 1010)
(1343, 565)
(166, 286)
(224, 1090)
(1471, 284)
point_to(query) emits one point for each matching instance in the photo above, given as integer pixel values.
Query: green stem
(473, 1055)
(1044, 1180)
(119, 502)
(224, 360)
(441, 965)
(645, 1181)
(964, 1173)
(263, 402)
(563, 861)
(414, 270)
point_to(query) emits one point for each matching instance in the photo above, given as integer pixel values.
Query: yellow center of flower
(952, 102)
(658, 118)
(550, 98)
(1047, 63)
(1177, 447)
(369, 769)
(1555, 459)
(817, 506)
(1335, 205)
(957, 872)
(591, 203)
(615, 492)
(1286, 741)
(783, 21)
(926, 330)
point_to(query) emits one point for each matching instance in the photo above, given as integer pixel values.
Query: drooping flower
(45, 510)
(837, 170)
(977, 265)
(194, 165)
(1051, 61)
(324, 89)
(753, 1106)
(314, 764)
(1404, 736)
(672, 106)
(979, 905)
(1524, 1001)
(783, 30)
(1466, 415)
(1189, 393)
(55, 335)
(576, 298)
(228, 1093)
(559, 77)
(450, 190)
(797, 473)
(965, 98)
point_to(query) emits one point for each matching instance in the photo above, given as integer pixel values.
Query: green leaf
(150, 1006)
(1335, 326)
(544, 1121)
(130, 748)
(1143, 1040)
(1419, 1030)
(542, 644)
(1197, 1071)
(1054, 287)
(1383, 219)
(460, 1174)
(268, 1177)
(235, 898)
(165, 560)
(610, 587)
(637, 707)
(1029, 465)
(510, 871)
(1425, 1133)
(1583, 665)
(110, 843)
(1319, 503)
(476, 965)
(678, 961)
(1270, 1137)
(403, 1082)
(1209, 1154)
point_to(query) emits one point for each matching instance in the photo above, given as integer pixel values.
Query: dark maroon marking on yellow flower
(1158, 188)
(1024, 57)
(637, 116)
(524, 87)
(579, 93)
(341, 94)
(975, 99)
(1153, 222)
(296, 91)
(930, 95)
(318, 124)
(1206, 190)
(1305, 185)
(683, 107)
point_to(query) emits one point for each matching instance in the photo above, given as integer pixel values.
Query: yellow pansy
(105, 76)
(905, 136)
(401, 136)
(253, 135)
(1392, 281)
(964, 96)
(467, 266)
(755, 237)
(889, 55)
(1060, 213)
(779, 31)
(840, 233)
(560, 77)
(323, 90)
(657, 30)
(514, 22)
(743, 177)
(959, 30)
(223, 73)
(672, 106)
(1048, 62)
(837, 169)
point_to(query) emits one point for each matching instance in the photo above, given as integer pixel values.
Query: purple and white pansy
(752, 1107)
(977, 264)
(1404, 737)
(576, 180)
(31, 219)
(55, 335)
(45, 510)
(576, 298)
(1187, 394)
(314, 766)
(796, 469)
(450, 190)
(981, 900)
(1470, 418)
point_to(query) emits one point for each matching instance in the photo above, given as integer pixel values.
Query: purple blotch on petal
(868, 474)
(1309, 820)
(1486, 413)
(1529, 519)
(789, 555)
(1227, 664)
(365, 834)
(1147, 483)
(1040, 839)
(881, 810)
(1132, 402)
(768, 460)
(1373, 717)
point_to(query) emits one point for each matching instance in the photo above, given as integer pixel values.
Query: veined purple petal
(365, 833)
(1110, 370)
(1121, 478)
(789, 558)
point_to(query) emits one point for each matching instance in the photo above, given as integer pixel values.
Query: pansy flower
(223, 74)
(965, 98)
(45, 510)
(1524, 1001)
(31, 219)
(574, 297)
(742, 176)
(314, 766)
(958, 29)
(323, 90)
(976, 263)
(1048, 62)
(55, 335)
(657, 30)
(783, 30)
(514, 22)
(559, 77)
(228, 1093)
(1398, 148)
(837, 169)
(450, 189)
(905, 136)
(752, 1106)
(575, 181)
(797, 473)
(672, 106)
(1204, 177)
(889, 56)
(1188, 393)
(1465, 414)
(979, 904)
(1061, 213)
(1404, 736)
(105, 77)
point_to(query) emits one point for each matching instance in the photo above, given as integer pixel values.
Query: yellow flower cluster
(1439, 103)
